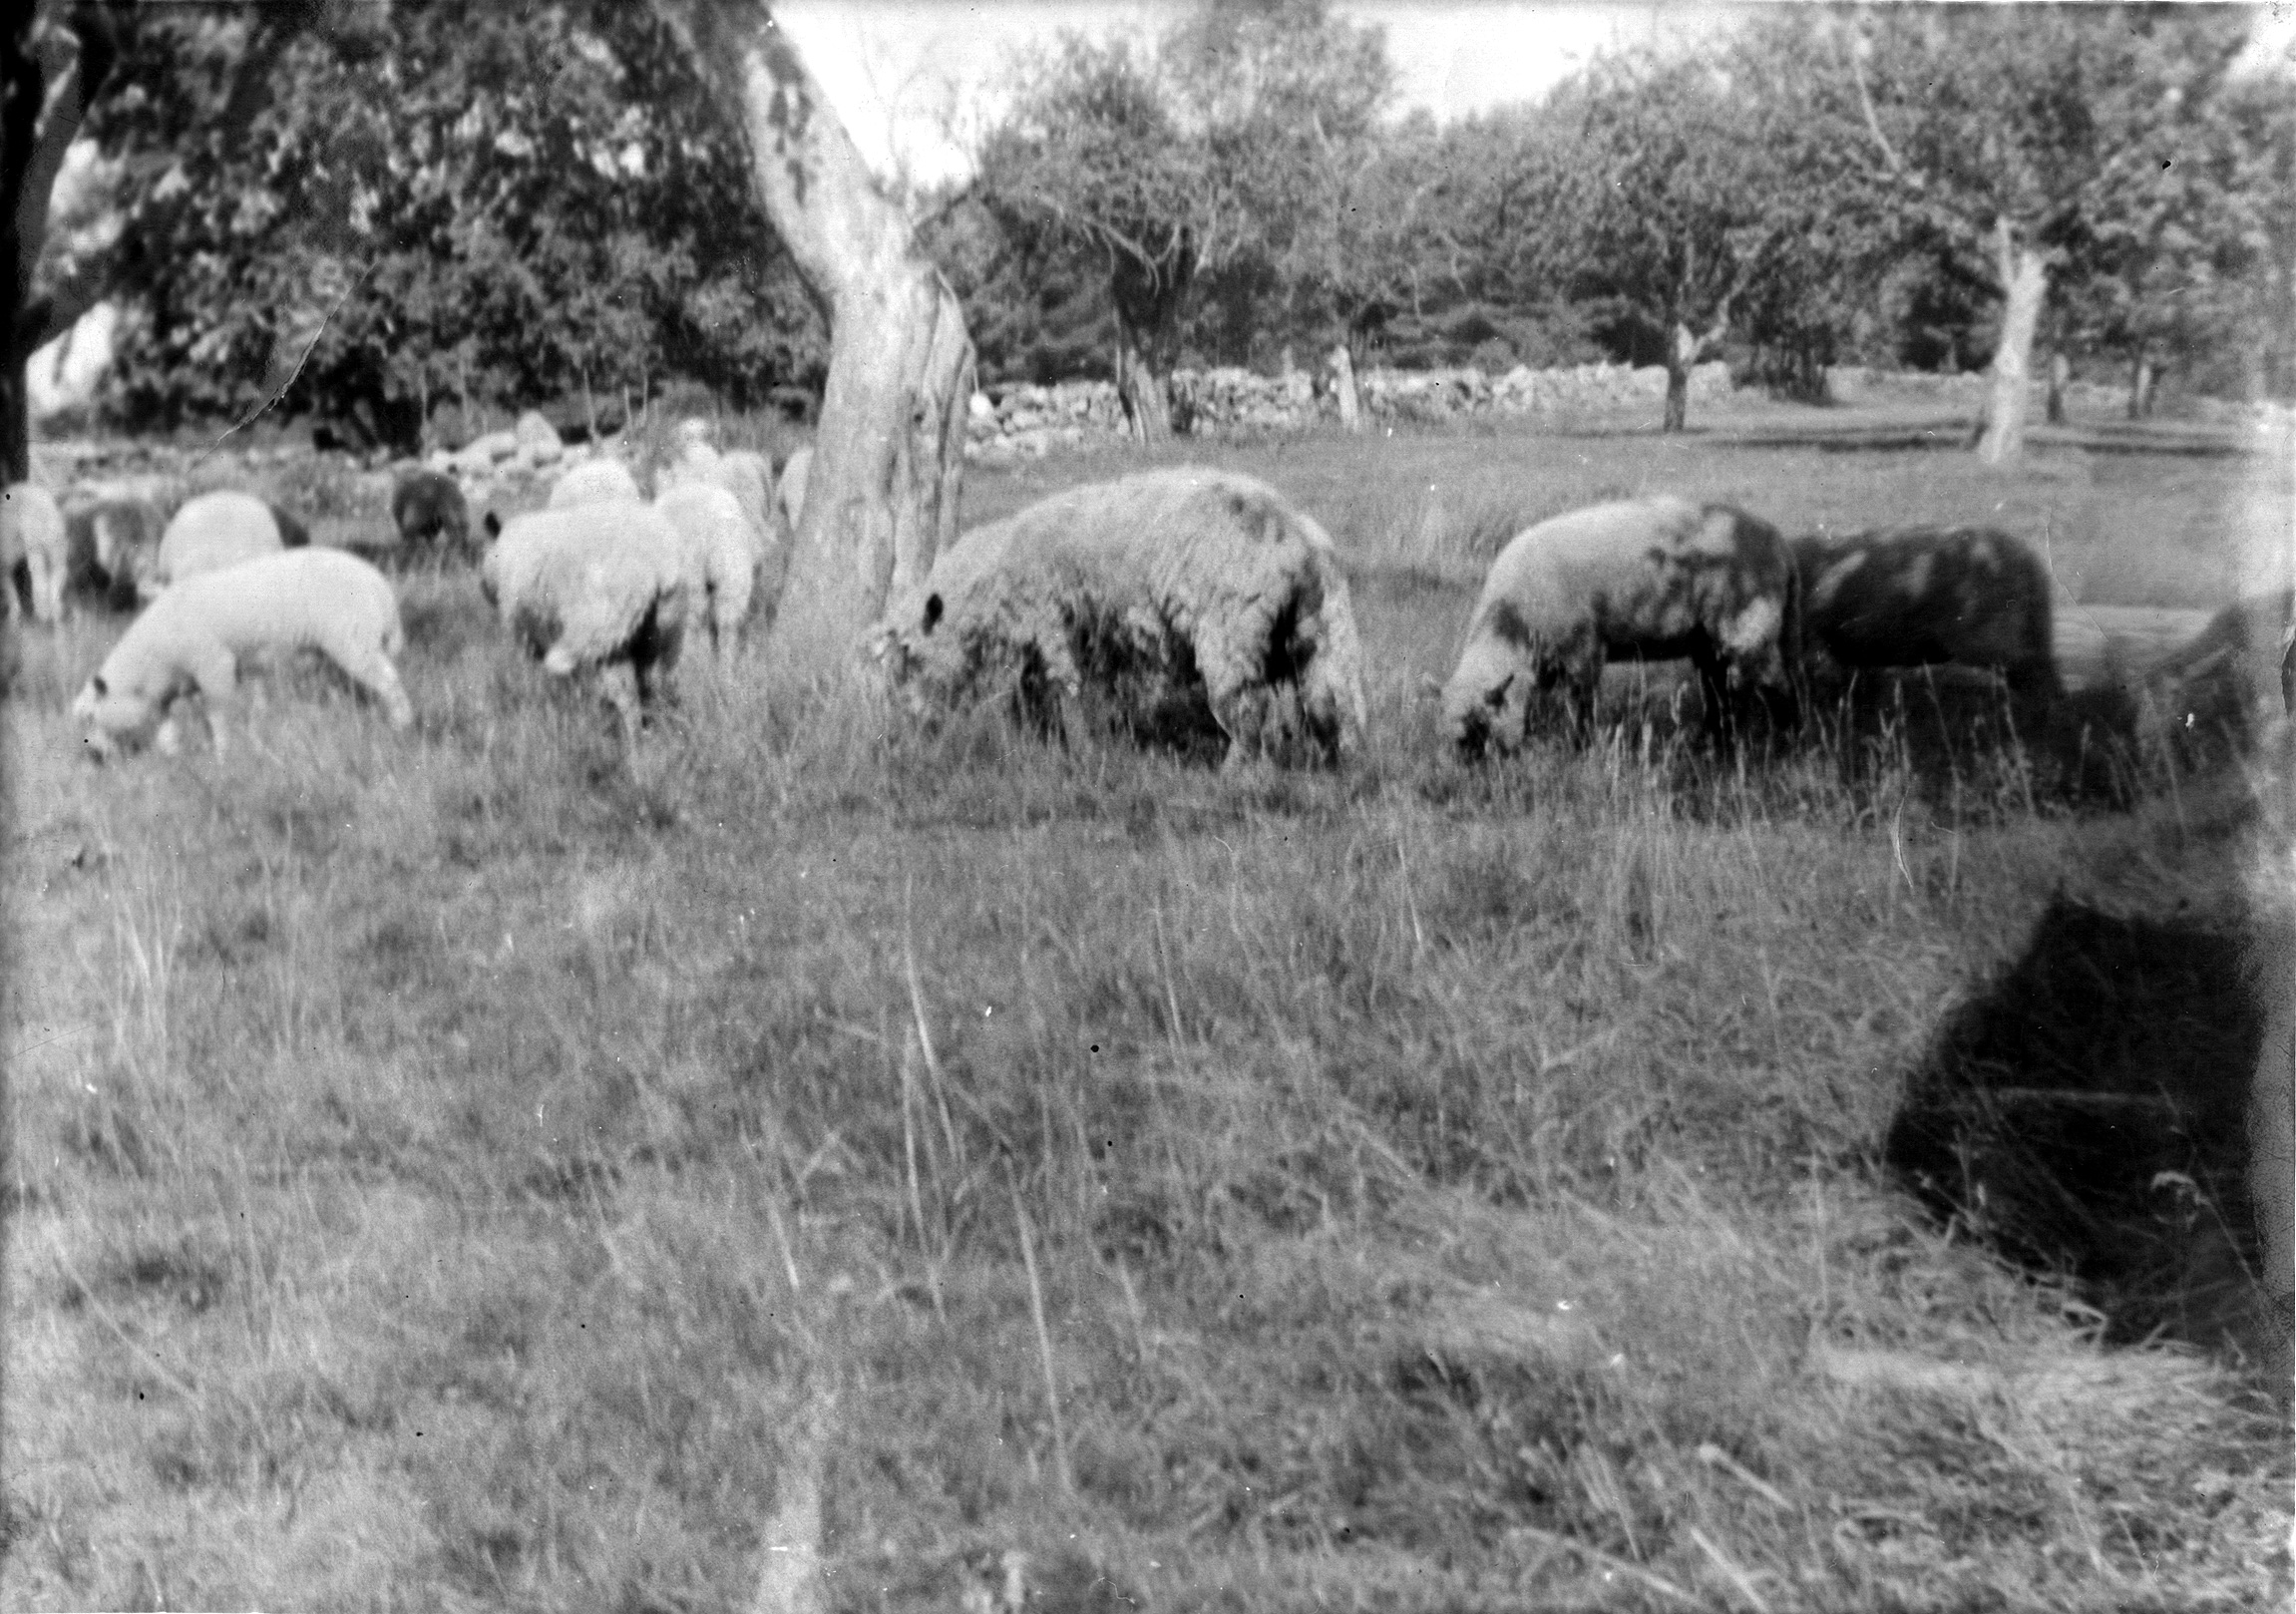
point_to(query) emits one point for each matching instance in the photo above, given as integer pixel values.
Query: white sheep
(595, 482)
(31, 534)
(1179, 594)
(595, 585)
(222, 529)
(191, 638)
(740, 471)
(1654, 579)
(789, 494)
(728, 549)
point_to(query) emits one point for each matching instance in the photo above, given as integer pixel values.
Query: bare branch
(1873, 121)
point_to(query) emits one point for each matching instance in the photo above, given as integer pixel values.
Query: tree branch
(1873, 121)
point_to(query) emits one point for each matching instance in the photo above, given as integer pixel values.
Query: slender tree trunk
(888, 457)
(2140, 385)
(2059, 371)
(1343, 389)
(2025, 283)
(1683, 351)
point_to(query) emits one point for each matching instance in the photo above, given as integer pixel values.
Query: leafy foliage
(365, 215)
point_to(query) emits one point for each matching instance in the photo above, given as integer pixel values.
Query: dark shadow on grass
(2083, 1115)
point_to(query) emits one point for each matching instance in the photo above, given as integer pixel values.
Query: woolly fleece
(1206, 582)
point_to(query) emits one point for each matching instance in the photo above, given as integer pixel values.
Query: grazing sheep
(191, 639)
(710, 521)
(1654, 579)
(601, 585)
(33, 536)
(738, 470)
(1909, 597)
(221, 529)
(595, 482)
(1181, 594)
(789, 496)
(430, 514)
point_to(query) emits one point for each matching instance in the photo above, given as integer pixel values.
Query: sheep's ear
(932, 609)
(493, 524)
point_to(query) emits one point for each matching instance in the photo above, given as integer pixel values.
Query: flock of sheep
(1173, 595)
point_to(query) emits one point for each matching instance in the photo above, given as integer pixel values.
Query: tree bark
(889, 458)
(1343, 389)
(1147, 403)
(45, 102)
(2024, 275)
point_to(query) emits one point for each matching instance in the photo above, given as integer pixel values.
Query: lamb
(222, 528)
(33, 536)
(601, 585)
(430, 514)
(1181, 594)
(1919, 596)
(1656, 578)
(710, 524)
(191, 638)
(595, 482)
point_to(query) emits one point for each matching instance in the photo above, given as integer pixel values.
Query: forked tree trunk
(2024, 274)
(1343, 389)
(889, 458)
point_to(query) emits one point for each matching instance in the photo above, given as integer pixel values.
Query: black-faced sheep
(1649, 579)
(1911, 597)
(191, 639)
(431, 514)
(595, 586)
(34, 542)
(222, 529)
(1183, 595)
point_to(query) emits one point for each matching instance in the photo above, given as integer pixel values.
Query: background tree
(1665, 200)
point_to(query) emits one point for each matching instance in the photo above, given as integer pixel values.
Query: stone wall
(1022, 421)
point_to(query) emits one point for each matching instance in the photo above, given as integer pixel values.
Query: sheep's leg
(618, 682)
(216, 675)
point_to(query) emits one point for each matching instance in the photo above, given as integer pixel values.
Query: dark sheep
(431, 514)
(1911, 597)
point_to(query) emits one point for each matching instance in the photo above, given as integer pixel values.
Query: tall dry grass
(487, 1167)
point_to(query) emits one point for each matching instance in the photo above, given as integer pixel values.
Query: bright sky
(932, 62)
(903, 74)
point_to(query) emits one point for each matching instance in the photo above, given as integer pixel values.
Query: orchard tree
(1091, 148)
(888, 460)
(53, 63)
(1663, 203)
(2011, 133)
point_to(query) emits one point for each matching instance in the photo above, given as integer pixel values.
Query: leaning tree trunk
(2024, 275)
(889, 459)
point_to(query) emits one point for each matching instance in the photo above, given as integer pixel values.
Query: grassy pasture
(473, 1169)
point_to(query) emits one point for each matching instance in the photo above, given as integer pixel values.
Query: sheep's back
(215, 530)
(319, 597)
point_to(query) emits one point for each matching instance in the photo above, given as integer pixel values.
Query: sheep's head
(1484, 704)
(116, 721)
(918, 650)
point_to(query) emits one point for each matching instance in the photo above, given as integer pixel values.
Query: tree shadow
(2085, 1115)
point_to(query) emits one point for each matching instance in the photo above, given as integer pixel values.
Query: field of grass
(476, 1168)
